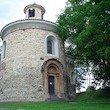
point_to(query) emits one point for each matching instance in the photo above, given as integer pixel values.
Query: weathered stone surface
(22, 78)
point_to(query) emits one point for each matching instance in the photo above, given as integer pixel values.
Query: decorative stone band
(27, 24)
(69, 59)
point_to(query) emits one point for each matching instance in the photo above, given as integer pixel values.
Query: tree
(87, 25)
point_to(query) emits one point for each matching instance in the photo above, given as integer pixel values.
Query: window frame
(72, 78)
(54, 45)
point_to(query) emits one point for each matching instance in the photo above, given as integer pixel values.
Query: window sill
(51, 55)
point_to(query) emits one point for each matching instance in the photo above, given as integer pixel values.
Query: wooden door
(51, 85)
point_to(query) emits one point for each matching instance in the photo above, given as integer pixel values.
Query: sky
(12, 10)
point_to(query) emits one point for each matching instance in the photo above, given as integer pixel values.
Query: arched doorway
(53, 80)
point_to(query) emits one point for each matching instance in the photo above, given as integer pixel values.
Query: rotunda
(33, 63)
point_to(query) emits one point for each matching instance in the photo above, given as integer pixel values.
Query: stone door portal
(51, 85)
(53, 78)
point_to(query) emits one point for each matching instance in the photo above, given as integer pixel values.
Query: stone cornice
(28, 24)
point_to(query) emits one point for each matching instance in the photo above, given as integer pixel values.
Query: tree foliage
(87, 25)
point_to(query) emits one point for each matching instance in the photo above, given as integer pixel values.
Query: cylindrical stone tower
(33, 59)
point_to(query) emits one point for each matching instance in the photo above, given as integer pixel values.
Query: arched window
(31, 12)
(73, 78)
(4, 50)
(51, 45)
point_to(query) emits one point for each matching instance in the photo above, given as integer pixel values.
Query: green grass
(101, 95)
(59, 106)
(91, 100)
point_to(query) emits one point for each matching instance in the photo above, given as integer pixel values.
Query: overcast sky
(12, 10)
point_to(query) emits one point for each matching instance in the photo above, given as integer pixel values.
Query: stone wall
(70, 87)
(22, 78)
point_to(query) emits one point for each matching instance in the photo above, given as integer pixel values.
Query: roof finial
(34, 2)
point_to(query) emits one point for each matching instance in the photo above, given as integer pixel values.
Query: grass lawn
(59, 106)
(94, 100)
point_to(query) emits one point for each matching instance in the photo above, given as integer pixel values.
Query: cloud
(12, 10)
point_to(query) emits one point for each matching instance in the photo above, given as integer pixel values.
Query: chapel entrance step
(54, 98)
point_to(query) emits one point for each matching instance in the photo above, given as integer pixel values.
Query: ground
(59, 106)
(85, 101)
